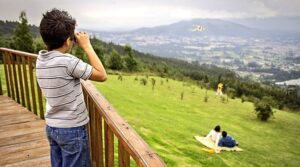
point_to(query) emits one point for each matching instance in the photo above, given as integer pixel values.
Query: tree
(129, 60)
(22, 39)
(114, 61)
(153, 81)
(39, 45)
(143, 81)
(181, 95)
(263, 110)
(79, 52)
(99, 50)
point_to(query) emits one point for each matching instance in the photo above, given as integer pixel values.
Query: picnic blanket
(210, 144)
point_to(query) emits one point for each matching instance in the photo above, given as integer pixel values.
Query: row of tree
(124, 58)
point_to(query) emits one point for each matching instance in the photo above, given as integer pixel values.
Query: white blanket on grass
(210, 144)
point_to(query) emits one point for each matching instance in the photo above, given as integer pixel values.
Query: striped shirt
(58, 76)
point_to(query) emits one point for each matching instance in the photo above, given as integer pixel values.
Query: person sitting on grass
(214, 134)
(227, 141)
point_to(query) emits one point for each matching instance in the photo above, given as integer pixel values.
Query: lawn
(168, 123)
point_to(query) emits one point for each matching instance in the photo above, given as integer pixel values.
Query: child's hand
(83, 40)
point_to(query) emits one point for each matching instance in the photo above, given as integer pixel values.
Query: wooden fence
(105, 124)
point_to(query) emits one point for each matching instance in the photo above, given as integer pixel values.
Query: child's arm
(98, 73)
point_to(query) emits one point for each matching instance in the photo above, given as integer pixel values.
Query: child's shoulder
(48, 55)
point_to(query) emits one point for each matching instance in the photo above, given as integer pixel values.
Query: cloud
(113, 14)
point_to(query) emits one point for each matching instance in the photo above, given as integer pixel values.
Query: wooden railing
(105, 122)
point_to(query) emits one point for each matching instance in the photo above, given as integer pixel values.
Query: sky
(111, 15)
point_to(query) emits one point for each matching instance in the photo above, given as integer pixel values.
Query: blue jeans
(69, 146)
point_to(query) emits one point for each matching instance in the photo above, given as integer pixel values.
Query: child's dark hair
(56, 27)
(218, 128)
(224, 133)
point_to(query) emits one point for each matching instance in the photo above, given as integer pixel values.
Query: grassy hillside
(168, 124)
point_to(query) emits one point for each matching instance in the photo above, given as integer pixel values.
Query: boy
(58, 75)
(226, 141)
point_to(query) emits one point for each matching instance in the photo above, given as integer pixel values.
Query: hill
(7, 28)
(206, 76)
(168, 123)
(212, 27)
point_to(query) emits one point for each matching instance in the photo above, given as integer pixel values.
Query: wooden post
(86, 100)
(15, 76)
(124, 158)
(24, 62)
(92, 131)
(1, 92)
(109, 146)
(20, 80)
(6, 74)
(40, 99)
(99, 141)
(10, 75)
(32, 84)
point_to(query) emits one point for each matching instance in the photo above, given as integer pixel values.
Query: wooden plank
(6, 74)
(109, 146)
(86, 99)
(14, 148)
(23, 138)
(22, 131)
(92, 134)
(21, 53)
(24, 62)
(25, 155)
(27, 125)
(41, 161)
(21, 81)
(15, 76)
(32, 81)
(12, 111)
(6, 103)
(17, 118)
(10, 75)
(99, 141)
(124, 158)
(1, 91)
(40, 99)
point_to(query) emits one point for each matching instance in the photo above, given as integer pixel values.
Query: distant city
(253, 53)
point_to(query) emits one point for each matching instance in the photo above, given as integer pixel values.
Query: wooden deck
(22, 136)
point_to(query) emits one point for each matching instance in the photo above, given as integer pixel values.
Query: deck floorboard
(22, 136)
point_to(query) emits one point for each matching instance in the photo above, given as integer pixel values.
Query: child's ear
(68, 42)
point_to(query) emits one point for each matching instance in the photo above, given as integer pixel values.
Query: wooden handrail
(130, 141)
(105, 122)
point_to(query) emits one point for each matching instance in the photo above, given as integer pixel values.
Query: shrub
(181, 95)
(153, 81)
(243, 98)
(206, 97)
(143, 81)
(263, 110)
(120, 78)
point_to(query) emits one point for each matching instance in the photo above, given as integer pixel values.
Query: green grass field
(168, 124)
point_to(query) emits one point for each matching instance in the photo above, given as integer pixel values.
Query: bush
(263, 110)
(143, 81)
(206, 97)
(120, 78)
(243, 98)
